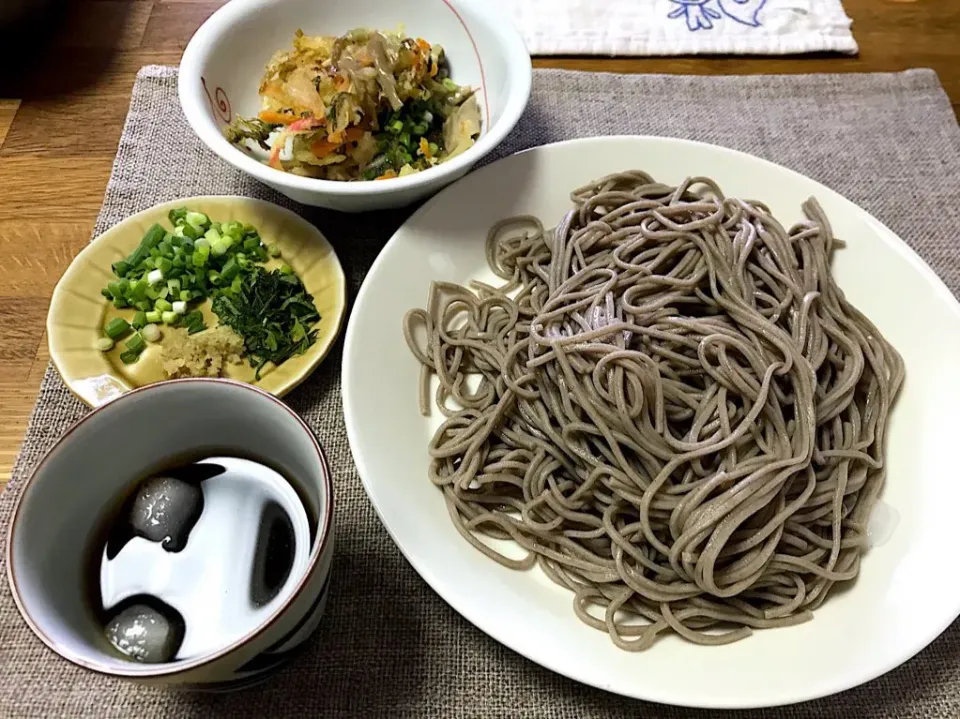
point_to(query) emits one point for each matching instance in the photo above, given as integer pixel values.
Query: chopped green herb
(241, 129)
(193, 322)
(273, 313)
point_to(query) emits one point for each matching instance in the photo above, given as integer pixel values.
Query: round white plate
(908, 591)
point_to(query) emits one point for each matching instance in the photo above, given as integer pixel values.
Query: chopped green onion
(154, 276)
(230, 270)
(117, 327)
(136, 343)
(163, 305)
(151, 333)
(138, 291)
(153, 317)
(190, 232)
(129, 357)
(219, 248)
(139, 320)
(198, 220)
(234, 229)
(104, 344)
(286, 269)
(180, 307)
(200, 255)
(273, 250)
(186, 295)
(169, 317)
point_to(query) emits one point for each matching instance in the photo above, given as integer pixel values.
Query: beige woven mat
(389, 647)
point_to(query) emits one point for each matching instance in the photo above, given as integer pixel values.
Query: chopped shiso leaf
(273, 313)
(192, 322)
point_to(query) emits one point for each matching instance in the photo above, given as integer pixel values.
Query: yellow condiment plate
(78, 311)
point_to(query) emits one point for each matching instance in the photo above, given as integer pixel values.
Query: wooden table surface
(61, 121)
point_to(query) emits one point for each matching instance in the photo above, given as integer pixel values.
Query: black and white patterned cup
(56, 520)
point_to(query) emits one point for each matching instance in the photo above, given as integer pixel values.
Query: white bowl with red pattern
(222, 66)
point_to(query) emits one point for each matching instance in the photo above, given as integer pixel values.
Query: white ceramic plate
(905, 595)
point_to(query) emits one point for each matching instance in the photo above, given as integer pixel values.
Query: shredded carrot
(423, 44)
(425, 148)
(322, 148)
(277, 118)
(434, 68)
(306, 123)
(388, 175)
(341, 83)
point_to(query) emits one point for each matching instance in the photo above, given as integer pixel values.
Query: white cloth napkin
(682, 27)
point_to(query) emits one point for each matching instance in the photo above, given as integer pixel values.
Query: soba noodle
(678, 417)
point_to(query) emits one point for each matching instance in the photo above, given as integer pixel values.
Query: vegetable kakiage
(368, 105)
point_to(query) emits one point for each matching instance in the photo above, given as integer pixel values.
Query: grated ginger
(205, 354)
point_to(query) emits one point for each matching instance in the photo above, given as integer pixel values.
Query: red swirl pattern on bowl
(222, 106)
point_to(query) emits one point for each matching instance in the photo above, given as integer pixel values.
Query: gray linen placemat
(388, 646)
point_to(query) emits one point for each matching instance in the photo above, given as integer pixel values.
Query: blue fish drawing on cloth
(701, 14)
